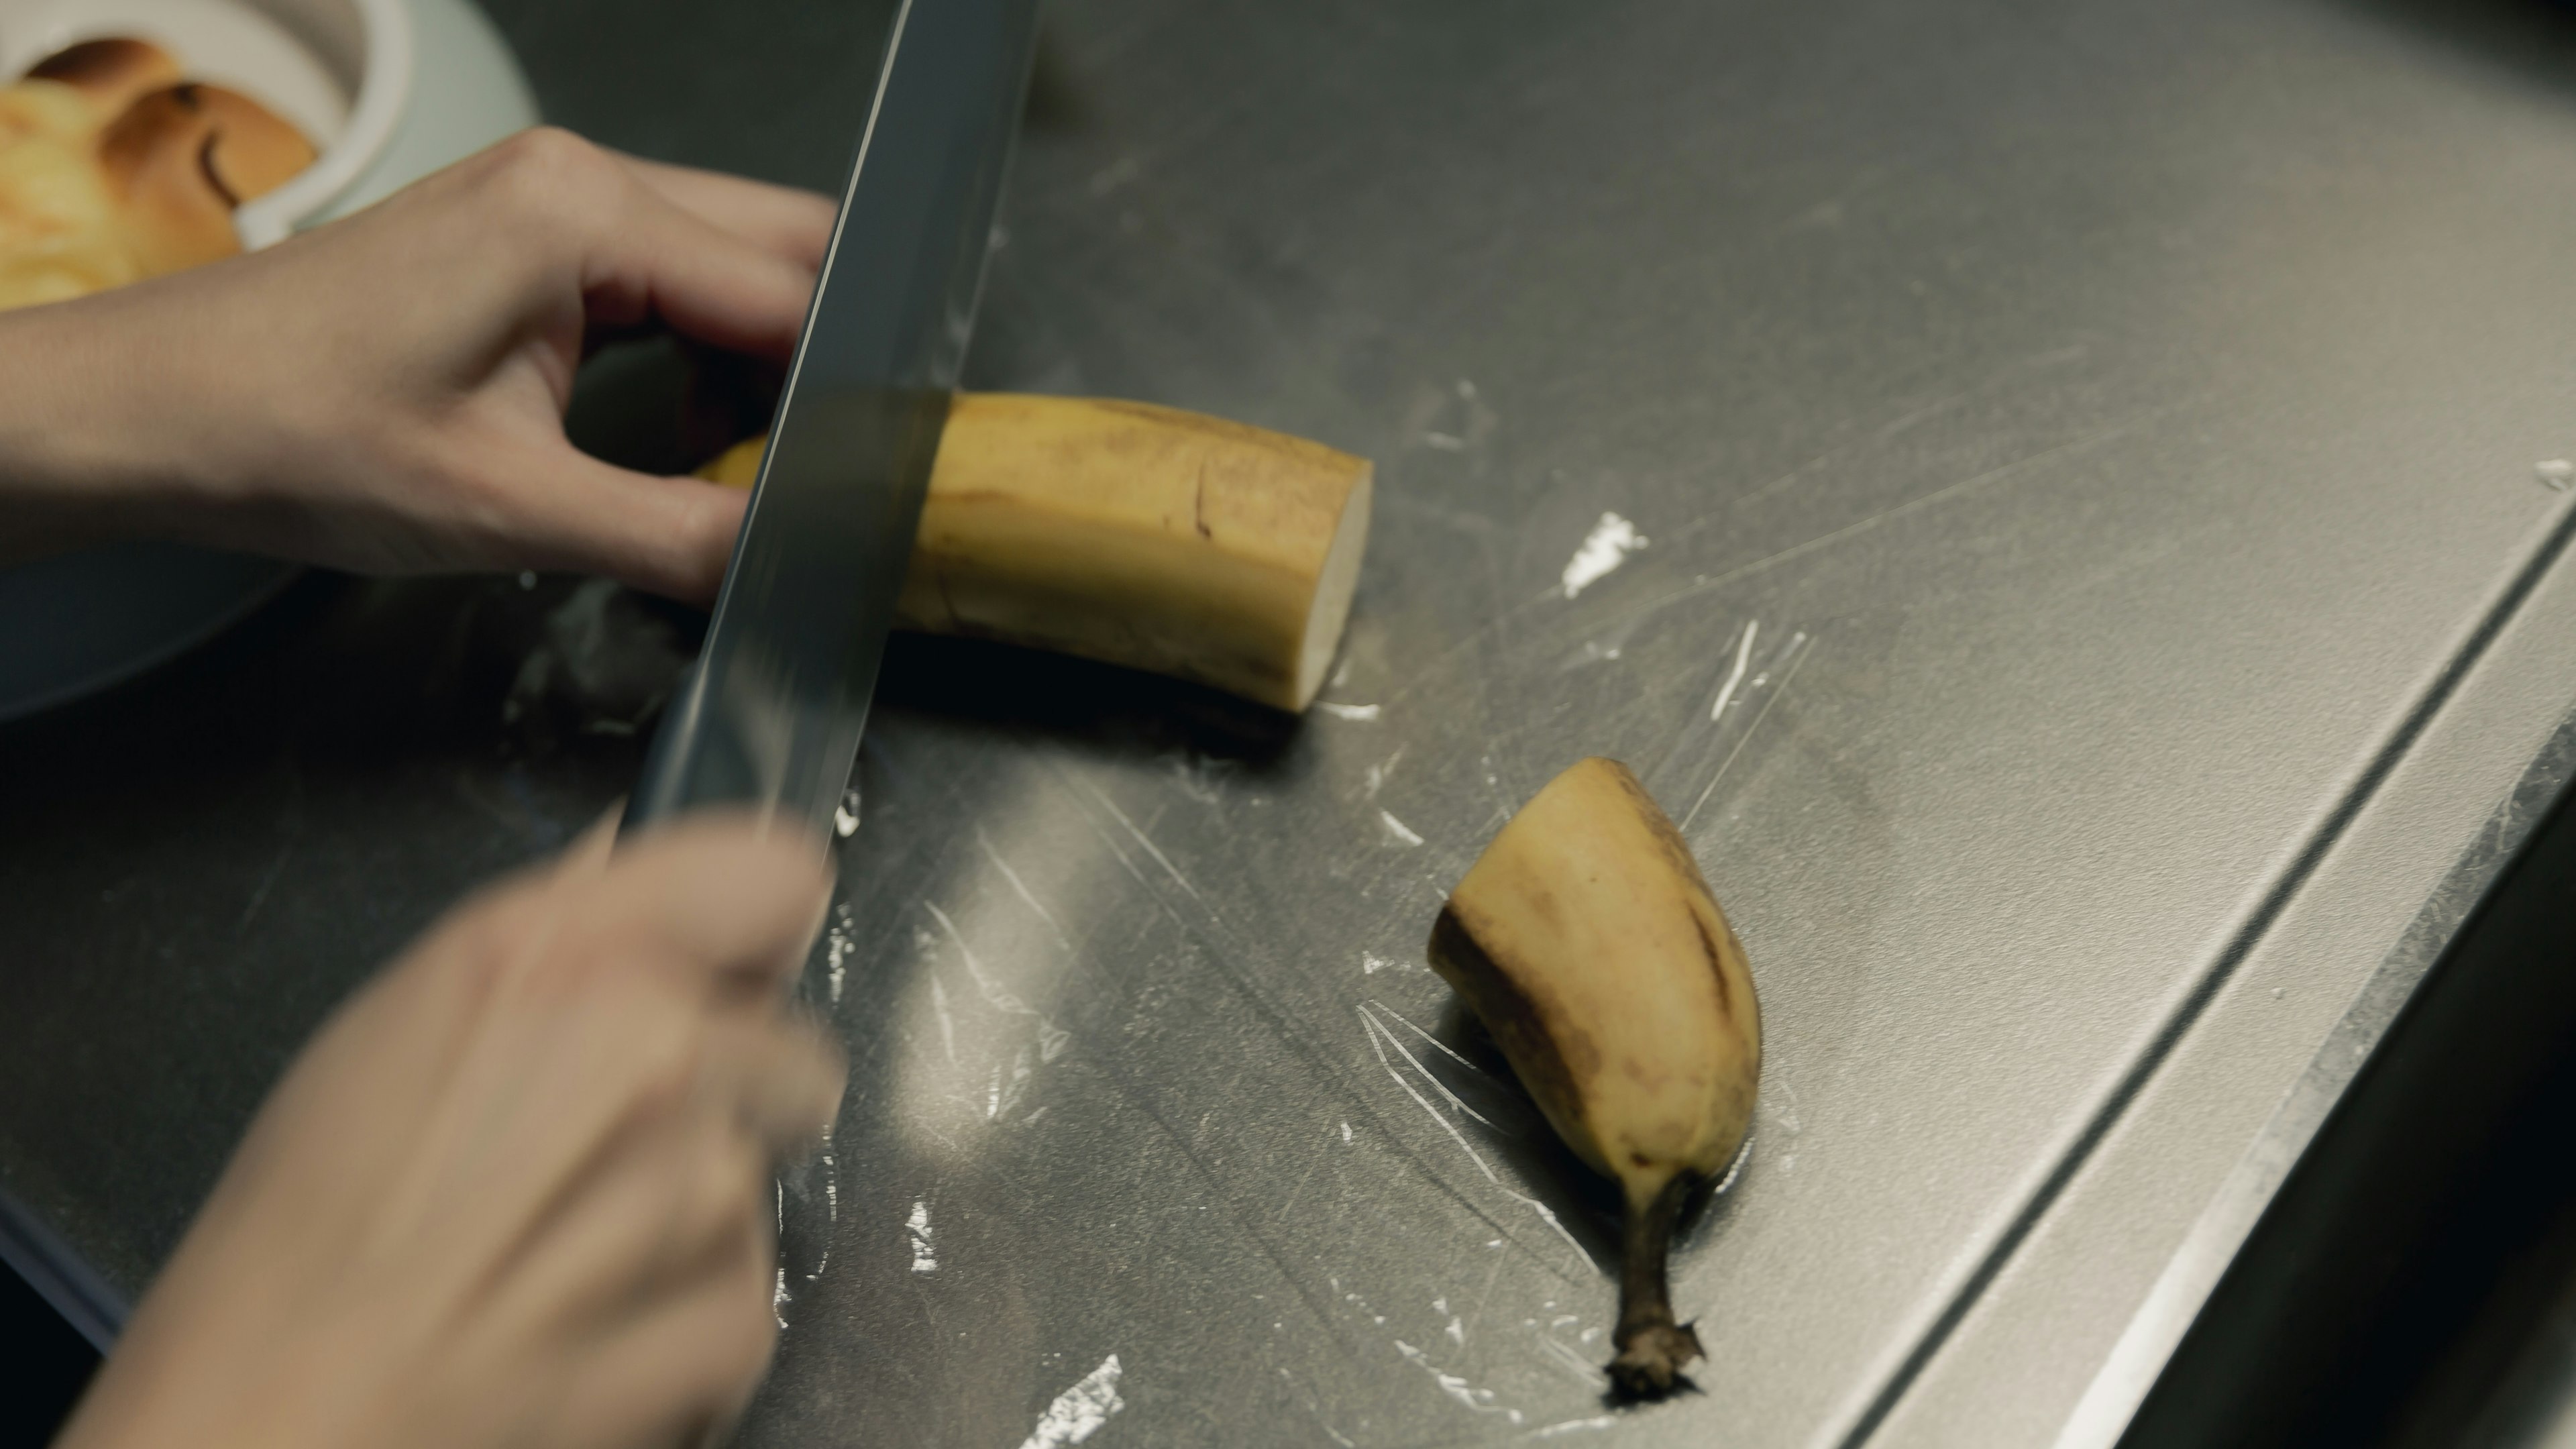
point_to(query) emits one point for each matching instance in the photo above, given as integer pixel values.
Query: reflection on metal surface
(2121, 1384)
(1999, 677)
(925, 1258)
(1379, 1039)
(32, 1251)
(1605, 548)
(1080, 1410)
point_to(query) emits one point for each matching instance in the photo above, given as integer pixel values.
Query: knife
(770, 714)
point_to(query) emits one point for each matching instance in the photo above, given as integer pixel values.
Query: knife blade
(771, 713)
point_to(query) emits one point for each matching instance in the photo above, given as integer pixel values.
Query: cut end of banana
(1335, 585)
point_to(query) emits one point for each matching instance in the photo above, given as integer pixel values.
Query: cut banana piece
(1588, 943)
(1139, 535)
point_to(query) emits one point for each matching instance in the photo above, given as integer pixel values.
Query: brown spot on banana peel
(1554, 1058)
(948, 616)
(1716, 966)
(1668, 836)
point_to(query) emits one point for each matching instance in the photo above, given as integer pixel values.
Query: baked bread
(58, 221)
(109, 173)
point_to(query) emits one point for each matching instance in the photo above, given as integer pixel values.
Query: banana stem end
(1653, 1349)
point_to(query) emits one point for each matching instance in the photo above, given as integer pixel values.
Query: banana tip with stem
(1653, 1349)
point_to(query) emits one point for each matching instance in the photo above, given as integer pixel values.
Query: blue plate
(84, 621)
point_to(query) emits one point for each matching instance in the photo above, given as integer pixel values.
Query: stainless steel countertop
(2113, 427)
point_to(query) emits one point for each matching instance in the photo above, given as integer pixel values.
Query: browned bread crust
(113, 73)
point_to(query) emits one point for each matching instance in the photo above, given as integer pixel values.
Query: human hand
(386, 393)
(517, 1191)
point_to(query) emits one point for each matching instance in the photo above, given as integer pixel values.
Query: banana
(1588, 943)
(1139, 535)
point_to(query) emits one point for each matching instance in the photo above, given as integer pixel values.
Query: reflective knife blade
(771, 713)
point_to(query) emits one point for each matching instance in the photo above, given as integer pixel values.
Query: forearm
(95, 405)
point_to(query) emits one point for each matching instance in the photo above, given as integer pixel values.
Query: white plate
(391, 90)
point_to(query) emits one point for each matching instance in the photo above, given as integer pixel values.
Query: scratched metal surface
(2104, 428)
(2067, 449)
